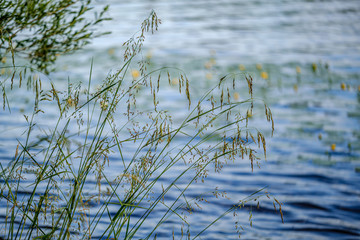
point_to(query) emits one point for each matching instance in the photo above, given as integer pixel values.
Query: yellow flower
(298, 70)
(241, 67)
(343, 86)
(212, 61)
(3, 71)
(208, 65)
(333, 146)
(175, 81)
(236, 96)
(135, 74)
(3, 60)
(258, 66)
(264, 75)
(209, 76)
(111, 51)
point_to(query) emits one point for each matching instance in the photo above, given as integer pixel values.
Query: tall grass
(79, 189)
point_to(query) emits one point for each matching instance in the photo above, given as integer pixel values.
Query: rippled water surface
(313, 110)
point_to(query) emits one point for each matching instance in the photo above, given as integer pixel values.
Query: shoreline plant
(114, 147)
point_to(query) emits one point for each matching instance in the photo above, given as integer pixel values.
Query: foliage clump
(43, 30)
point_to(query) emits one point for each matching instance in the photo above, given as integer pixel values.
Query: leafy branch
(43, 30)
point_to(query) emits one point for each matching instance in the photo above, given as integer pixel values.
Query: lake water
(313, 159)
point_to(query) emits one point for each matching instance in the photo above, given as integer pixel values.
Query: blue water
(319, 187)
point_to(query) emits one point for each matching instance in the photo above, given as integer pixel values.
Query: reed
(73, 163)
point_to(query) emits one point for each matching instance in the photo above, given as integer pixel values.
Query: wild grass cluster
(97, 168)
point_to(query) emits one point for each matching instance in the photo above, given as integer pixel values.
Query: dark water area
(310, 52)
